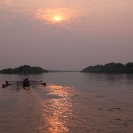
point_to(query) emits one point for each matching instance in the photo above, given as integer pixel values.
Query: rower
(27, 80)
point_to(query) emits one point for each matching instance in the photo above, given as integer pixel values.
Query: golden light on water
(57, 109)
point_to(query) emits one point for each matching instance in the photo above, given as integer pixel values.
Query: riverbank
(110, 68)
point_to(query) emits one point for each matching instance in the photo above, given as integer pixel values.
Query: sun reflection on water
(57, 109)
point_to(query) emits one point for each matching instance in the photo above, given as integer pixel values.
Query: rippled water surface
(72, 102)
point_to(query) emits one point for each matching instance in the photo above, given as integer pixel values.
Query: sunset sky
(65, 34)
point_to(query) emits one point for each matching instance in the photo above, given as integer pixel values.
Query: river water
(72, 102)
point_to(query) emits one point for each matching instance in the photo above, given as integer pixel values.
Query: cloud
(67, 16)
(40, 19)
(91, 18)
(10, 14)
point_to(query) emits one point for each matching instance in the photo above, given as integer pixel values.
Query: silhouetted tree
(111, 68)
(23, 69)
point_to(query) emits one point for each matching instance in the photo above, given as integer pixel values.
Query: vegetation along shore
(23, 69)
(110, 68)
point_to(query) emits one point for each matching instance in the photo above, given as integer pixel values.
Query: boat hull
(26, 85)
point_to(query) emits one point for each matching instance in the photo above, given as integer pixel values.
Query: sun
(57, 18)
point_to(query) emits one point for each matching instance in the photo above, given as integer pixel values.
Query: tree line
(23, 69)
(110, 68)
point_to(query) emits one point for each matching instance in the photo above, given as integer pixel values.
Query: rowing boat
(25, 83)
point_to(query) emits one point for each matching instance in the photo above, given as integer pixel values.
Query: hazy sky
(65, 34)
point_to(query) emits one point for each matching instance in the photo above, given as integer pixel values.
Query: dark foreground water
(70, 103)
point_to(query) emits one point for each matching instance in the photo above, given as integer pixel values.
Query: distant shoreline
(110, 68)
(107, 68)
(26, 69)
